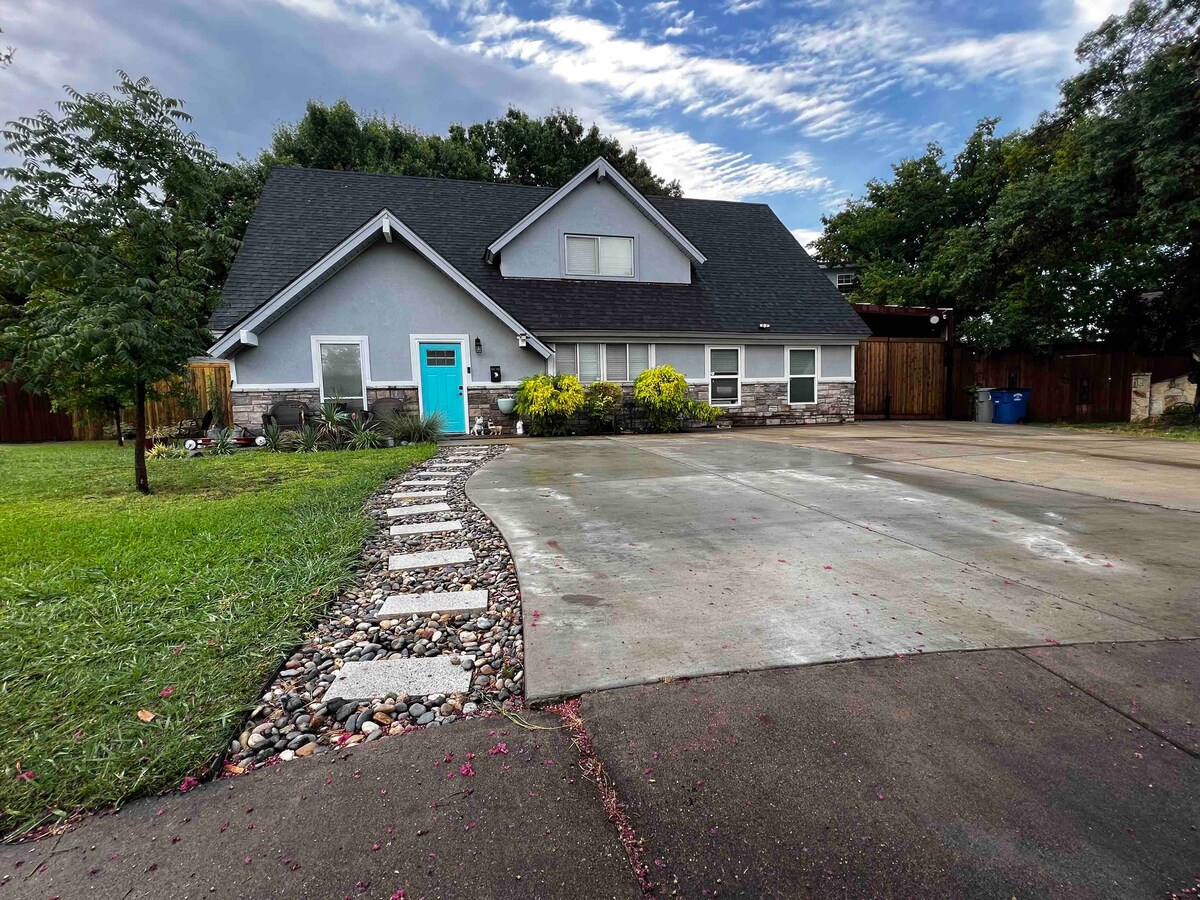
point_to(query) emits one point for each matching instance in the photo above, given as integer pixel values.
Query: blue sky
(793, 103)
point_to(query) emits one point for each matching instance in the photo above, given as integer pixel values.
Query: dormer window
(594, 255)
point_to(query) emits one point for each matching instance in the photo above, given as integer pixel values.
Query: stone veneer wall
(766, 404)
(762, 404)
(249, 406)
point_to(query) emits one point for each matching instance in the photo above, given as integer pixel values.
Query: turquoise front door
(442, 384)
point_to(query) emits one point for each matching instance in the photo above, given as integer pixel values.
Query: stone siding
(250, 406)
(766, 404)
(762, 404)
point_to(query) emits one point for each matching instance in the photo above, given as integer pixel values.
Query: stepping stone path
(418, 677)
(430, 633)
(441, 601)
(424, 527)
(418, 510)
(407, 562)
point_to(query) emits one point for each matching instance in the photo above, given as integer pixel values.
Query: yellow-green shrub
(549, 401)
(662, 394)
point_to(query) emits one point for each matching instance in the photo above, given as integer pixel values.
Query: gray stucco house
(447, 293)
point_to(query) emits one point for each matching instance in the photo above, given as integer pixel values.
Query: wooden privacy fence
(900, 378)
(1071, 383)
(26, 417)
(207, 386)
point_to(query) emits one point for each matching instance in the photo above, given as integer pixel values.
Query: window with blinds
(596, 255)
(616, 361)
(802, 375)
(582, 360)
(724, 381)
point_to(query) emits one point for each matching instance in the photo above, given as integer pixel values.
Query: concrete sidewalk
(1058, 773)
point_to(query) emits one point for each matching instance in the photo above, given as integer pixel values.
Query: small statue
(478, 430)
(495, 430)
(520, 428)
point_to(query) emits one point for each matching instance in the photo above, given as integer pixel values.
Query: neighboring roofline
(601, 169)
(389, 224)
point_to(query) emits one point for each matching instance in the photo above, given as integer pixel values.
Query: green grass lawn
(1137, 429)
(180, 603)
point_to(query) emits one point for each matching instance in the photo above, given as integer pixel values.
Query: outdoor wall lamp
(478, 346)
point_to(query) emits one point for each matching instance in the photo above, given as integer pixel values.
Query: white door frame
(463, 340)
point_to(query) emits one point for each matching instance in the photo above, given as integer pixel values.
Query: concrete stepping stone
(419, 510)
(424, 483)
(389, 677)
(426, 527)
(406, 562)
(451, 465)
(404, 605)
(418, 495)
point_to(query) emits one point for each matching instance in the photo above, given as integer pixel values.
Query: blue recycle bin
(1009, 407)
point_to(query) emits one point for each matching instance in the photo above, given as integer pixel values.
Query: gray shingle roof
(756, 271)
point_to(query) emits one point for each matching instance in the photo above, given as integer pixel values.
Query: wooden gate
(900, 378)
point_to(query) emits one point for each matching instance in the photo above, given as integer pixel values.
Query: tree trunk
(139, 450)
(120, 436)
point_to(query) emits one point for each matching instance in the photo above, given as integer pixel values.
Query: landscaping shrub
(550, 401)
(1179, 414)
(361, 434)
(308, 438)
(602, 401)
(276, 439)
(331, 420)
(412, 428)
(662, 394)
(223, 444)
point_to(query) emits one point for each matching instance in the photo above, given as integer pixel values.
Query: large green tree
(108, 240)
(1084, 227)
(515, 149)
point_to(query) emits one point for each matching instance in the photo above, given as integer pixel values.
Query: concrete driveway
(648, 558)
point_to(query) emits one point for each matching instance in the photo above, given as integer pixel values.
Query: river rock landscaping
(301, 713)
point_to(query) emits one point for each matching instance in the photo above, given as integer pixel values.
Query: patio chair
(385, 406)
(286, 414)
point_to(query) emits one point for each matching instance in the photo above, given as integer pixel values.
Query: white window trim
(364, 361)
(835, 379)
(849, 276)
(651, 358)
(599, 276)
(414, 355)
(741, 373)
(788, 376)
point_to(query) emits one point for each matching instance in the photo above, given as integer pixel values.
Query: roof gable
(599, 169)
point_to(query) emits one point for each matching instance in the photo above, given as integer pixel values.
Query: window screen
(724, 362)
(565, 359)
(583, 256)
(837, 362)
(341, 372)
(616, 360)
(616, 256)
(639, 359)
(589, 362)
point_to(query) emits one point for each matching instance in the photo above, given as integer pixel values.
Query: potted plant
(506, 404)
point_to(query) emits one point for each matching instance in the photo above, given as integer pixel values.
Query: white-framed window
(582, 360)
(802, 375)
(845, 279)
(837, 362)
(625, 362)
(340, 368)
(724, 376)
(587, 254)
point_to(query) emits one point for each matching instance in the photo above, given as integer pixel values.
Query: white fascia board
(601, 169)
(230, 340)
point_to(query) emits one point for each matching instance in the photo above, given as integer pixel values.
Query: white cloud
(806, 236)
(1002, 55)
(718, 173)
